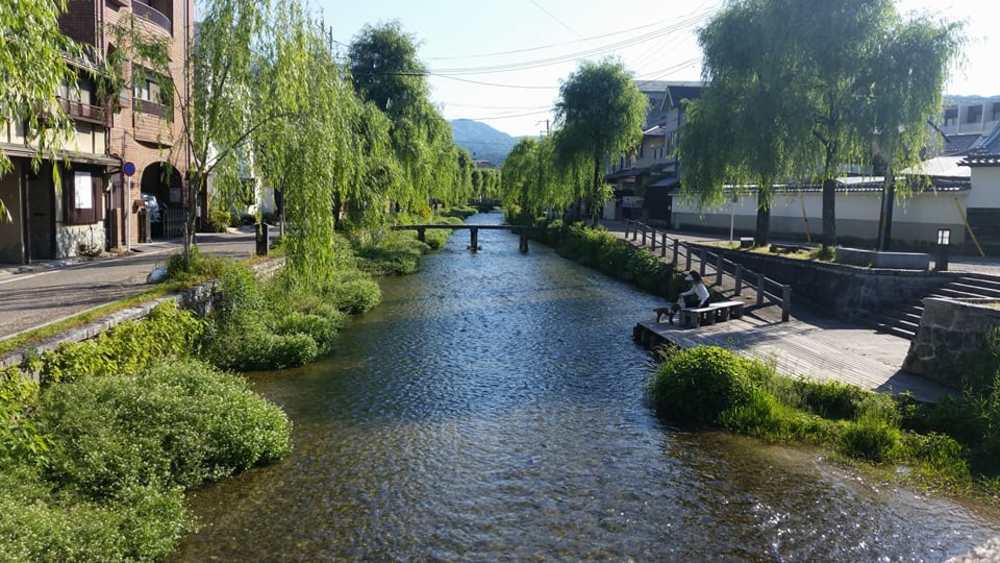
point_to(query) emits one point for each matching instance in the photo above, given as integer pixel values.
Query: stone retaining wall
(198, 299)
(850, 293)
(950, 331)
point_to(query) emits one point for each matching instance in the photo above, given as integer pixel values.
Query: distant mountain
(483, 141)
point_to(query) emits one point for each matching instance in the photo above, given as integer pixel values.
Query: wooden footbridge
(473, 232)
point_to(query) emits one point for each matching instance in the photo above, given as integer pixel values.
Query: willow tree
(532, 184)
(386, 71)
(600, 112)
(32, 68)
(907, 73)
(747, 131)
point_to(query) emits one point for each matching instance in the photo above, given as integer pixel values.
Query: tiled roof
(960, 144)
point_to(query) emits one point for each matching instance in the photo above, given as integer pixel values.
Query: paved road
(33, 299)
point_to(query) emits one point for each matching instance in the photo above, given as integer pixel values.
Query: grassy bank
(95, 459)
(601, 250)
(952, 446)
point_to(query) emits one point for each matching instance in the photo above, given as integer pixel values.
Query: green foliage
(41, 523)
(397, 254)
(199, 267)
(353, 292)
(700, 384)
(20, 438)
(599, 249)
(128, 348)
(178, 425)
(600, 112)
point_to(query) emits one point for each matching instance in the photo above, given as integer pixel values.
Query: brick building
(97, 206)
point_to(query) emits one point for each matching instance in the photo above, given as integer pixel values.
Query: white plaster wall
(916, 219)
(985, 188)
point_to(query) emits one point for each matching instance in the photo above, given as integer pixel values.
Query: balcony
(80, 111)
(152, 15)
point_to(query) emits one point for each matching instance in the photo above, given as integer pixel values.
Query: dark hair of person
(695, 276)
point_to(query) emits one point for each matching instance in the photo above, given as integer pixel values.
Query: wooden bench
(711, 314)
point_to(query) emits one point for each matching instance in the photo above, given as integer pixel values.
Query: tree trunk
(594, 213)
(885, 217)
(338, 207)
(192, 215)
(762, 235)
(830, 212)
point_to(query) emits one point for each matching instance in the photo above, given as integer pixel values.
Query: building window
(996, 111)
(951, 117)
(975, 114)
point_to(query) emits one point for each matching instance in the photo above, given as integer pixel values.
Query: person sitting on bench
(694, 298)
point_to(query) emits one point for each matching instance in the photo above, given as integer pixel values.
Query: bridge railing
(712, 265)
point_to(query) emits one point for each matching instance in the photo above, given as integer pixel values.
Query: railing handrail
(155, 16)
(83, 110)
(709, 258)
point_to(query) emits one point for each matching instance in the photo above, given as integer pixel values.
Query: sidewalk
(989, 265)
(54, 291)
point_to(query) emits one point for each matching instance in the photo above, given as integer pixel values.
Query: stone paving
(807, 346)
(36, 298)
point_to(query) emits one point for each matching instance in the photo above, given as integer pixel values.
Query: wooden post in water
(786, 303)
(474, 239)
(760, 289)
(524, 242)
(422, 234)
(739, 280)
(663, 247)
(719, 267)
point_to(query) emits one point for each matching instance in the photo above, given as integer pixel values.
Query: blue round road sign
(129, 168)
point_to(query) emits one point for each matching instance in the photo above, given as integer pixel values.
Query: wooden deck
(815, 350)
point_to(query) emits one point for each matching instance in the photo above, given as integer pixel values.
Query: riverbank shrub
(460, 212)
(708, 385)
(179, 424)
(597, 248)
(130, 347)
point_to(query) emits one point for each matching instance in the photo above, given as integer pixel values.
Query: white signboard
(83, 190)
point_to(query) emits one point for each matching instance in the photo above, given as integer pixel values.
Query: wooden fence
(711, 265)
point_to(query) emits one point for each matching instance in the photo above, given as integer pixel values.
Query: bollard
(786, 303)
(524, 242)
(474, 239)
(663, 247)
(739, 280)
(262, 240)
(760, 289)
(422, 234)
(719, 266)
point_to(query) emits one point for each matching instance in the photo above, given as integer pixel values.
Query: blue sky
(655, 38)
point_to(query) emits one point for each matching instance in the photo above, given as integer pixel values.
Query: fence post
(663, 247)
(652, 241)
(628, 228)
(739, 280)
(644, 235)
(760, 289)
(719, 266)
(677, 253)
(701, 263)
(786, 303)
(687, 258)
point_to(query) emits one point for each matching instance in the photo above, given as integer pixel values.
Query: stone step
(948, 291)
(980, 280)
(976, 289)
(896, 331)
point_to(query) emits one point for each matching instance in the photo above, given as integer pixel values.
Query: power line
(682, 25)
(555, 19)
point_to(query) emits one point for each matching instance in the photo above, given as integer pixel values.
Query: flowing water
(492, 409)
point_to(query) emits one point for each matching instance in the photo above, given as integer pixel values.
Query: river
(492, 409)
